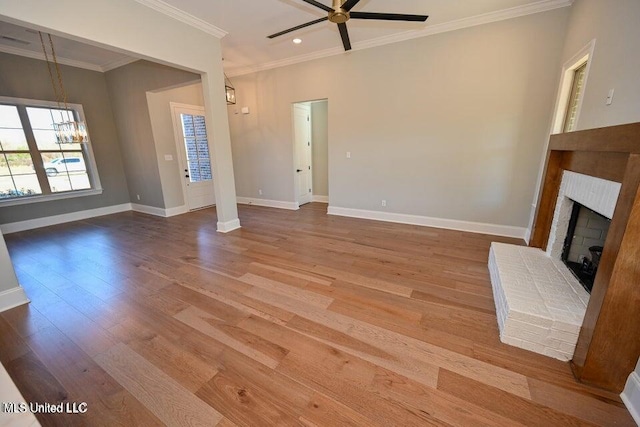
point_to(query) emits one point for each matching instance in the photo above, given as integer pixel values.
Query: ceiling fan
(340, 13)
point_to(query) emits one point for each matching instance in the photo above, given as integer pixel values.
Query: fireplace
(540, 302)
(584, 243)
(608, 345)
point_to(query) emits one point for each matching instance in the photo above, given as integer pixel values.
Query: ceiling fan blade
(318, 4)
(297, 28)
(388, 16)
(345, 36)
(348, 5)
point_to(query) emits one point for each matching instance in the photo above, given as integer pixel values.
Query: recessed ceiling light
(297, 41)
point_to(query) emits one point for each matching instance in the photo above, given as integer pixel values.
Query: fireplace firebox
(583, 246)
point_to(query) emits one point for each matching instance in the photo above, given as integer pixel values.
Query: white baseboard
(631, 396)
(30, 224)
(320, 199)
(151, 210)
(14, 227)
(225, 227)
(451, 224)
(12, 298)
(178, 210)
(165, 213)
(268, 203)
(527, 235)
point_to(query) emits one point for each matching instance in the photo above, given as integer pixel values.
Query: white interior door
(195, 159)
(302, 142)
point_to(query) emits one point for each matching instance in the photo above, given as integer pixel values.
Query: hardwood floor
(298, 318)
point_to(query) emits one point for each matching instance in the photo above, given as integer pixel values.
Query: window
(577, 87)
(573, 86)
(197, 147)
(33, 165)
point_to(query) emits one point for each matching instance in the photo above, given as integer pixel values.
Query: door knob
(298, 170)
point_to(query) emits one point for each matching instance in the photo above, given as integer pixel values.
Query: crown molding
(486, 18)
(240, 71)
(117, 63)
(39, 55)
(70, 62)
(182, 16)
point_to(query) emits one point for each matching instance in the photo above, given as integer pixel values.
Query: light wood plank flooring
(298, 318)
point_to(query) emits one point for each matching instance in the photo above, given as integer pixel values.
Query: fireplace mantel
(609, 342)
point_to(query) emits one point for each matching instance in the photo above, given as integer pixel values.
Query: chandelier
(68, 130)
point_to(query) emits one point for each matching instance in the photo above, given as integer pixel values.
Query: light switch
(348, 154)
(610, 97)
(168, 157)
(245, 110)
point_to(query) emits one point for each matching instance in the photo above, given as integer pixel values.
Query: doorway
(193, 155)
(310, 129)
(302, 152)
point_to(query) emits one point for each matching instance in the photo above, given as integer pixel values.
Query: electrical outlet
(260, 192)
(384, 203)
(348, 154)
(138, 196)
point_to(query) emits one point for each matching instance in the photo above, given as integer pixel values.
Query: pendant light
(68, 130)
(229, 90)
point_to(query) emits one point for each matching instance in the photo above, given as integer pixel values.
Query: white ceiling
(249, 22)
(26, 42)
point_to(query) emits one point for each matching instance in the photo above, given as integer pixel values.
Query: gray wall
(171, 175)
(451, 125)
(128, 86)
(320, 148)
(28, 78)
(615, 64)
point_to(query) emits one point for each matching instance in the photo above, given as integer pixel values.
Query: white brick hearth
(539, 304)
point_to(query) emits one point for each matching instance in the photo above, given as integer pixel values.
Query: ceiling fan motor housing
(338, 15)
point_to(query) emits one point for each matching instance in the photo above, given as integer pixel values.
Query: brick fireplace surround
(608, 344)
(540, 305)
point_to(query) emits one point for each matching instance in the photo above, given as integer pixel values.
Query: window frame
(85, 147)
(586, 54)
(575, 96)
